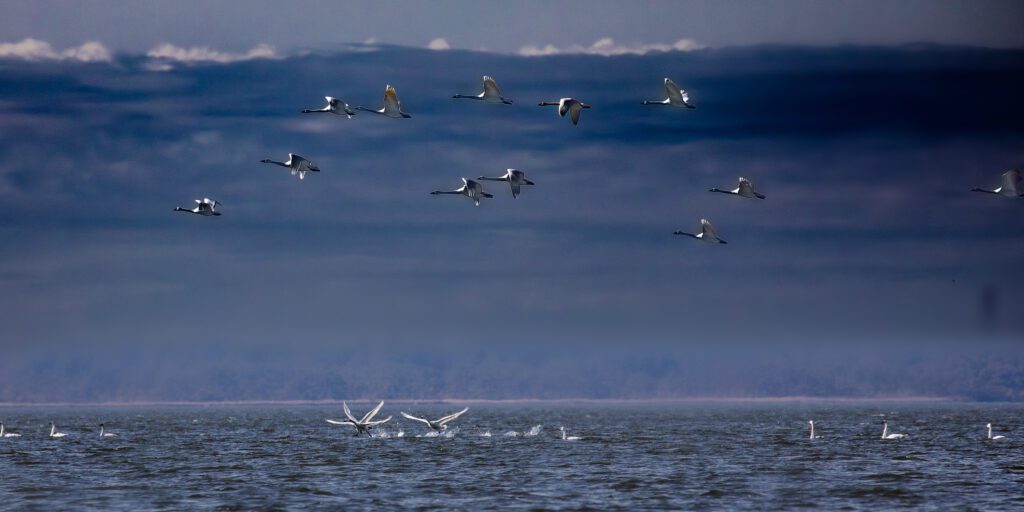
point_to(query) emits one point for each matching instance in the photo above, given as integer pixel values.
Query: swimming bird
(205, 207)
(470, 189)
(440, 424)
(104, 433)
(4, 433)
(53, 431)
(567, 438)
(675, 97)
(1010, 188)
(515, 179)
(296, 163)
(744, 189)
(392, 107)
(989, 427)
(334, 106)
(572, 106)
(707, 233)
(813, 436)
(364, 425)
(887, 435)
(491, 93)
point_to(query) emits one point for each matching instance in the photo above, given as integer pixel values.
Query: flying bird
(744, 189)
(515, 178)
(297, 165)
(334, 106)
(470, 189)
(572, 106)
(392, 107)
(206, 207)
(707, 233)
(364, 425)
(491, 93)
(675, 97)
(1010, 188)
(438, 425)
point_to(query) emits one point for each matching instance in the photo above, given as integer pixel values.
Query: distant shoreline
(566, 401)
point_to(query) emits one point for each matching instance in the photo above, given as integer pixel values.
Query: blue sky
(866, 155)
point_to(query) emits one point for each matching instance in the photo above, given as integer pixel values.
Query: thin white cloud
(195, 54)
(34, 49)
(607, 46)
(439, 44)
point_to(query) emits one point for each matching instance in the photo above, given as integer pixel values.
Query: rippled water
(652, 456)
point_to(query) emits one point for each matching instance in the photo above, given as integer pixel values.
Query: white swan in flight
(887, 435)
(491, 93)
(675, 97)
(364, 425)
(392, 107)
(515, 178)
(744, 189)
(1010, 188)
(470, 189)
(104, 433)
(813, 435)
(4, 433)
(53, 431)
(990, 436)
(206, 207)
(566, 437)
(334, 106)
(297, 164)
(707, 233)
(567, 105)
(438, 425)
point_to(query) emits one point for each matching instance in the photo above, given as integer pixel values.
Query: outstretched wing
(340, 422)
(491, 89)
(746, 187)
(373, 412)
(675, 94)
(332, 103)
(707, 229)
(378, 422)
(414, 418)
(574, 111)
(451, 417)
(391, 99)
(1011, 179)
(348, 413)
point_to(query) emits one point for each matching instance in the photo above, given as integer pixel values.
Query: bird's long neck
(983, 190)
(722, 191)
(548, 103)
(1, 429)
(101, 430)
(885, 430)
(812, 430)
(275, 162)
(53, 429)
(468, 97)
(989, 431)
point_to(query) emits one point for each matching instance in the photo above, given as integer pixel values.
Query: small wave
(533, 431)
(486, 434)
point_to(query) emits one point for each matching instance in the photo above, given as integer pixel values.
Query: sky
(869, 238)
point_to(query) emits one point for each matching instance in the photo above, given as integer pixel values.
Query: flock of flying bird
(674, 97)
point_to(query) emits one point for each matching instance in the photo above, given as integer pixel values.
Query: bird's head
(265, 161)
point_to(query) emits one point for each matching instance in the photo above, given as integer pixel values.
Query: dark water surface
(647, 456)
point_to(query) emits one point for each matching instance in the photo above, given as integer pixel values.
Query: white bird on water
(334, 106)
(1010, 188)
(675, 97)
(297, 165)
(53, 431)
(206, 207)
(707, 233)
(515, 178)
(438, 425)
(104, 433)
(491, 93)
(364, 425)
(887, 435)
(813, 435)
(566, 437)
(470, 189)
(744, 189)
(990, 436)
(4, 433)
(567, 105)
(392, 107)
